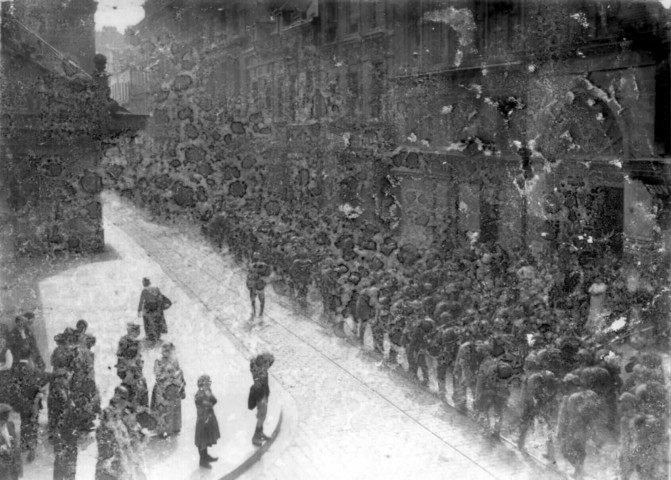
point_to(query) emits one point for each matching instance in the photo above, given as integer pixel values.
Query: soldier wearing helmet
(576, 423)
(464, 373)
(492, 389)
(444, 348)
(256, 282)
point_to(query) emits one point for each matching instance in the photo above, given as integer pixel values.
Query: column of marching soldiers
(572, 384)
(74, 405)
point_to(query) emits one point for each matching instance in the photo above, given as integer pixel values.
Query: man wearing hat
(29, 390)
(151, 307)
(492, 390)
(22, 341)
(11, 467)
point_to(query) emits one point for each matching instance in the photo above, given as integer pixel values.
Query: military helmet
(504, 371)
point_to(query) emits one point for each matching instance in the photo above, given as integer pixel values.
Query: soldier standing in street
(417, 345)
(539, 400)
(300, 274)
(444, 348)
(366, 309)
(577, 415)
(379, 325)
(492, 390)
(256, 282)
(259, 393)
(464, 374)
(151, 307)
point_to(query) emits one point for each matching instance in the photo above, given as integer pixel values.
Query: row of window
(120, 92)
(272, 88)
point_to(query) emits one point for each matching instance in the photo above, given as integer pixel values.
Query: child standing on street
(207, 427)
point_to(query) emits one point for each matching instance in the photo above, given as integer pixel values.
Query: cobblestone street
(355, 419)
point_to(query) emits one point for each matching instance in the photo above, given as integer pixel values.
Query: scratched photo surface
(335, 239)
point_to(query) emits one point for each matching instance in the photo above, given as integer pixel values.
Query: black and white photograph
(335, 239)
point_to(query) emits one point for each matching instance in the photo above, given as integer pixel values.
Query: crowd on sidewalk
(547, 322)
(73, 401)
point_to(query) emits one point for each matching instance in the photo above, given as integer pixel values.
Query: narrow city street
(104, 290)
(352, 417)
(457, 216)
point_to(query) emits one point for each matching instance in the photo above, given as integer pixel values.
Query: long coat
(167, 396)
(207, 427)
(11, 467)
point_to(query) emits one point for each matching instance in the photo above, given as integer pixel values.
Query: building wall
(475, 83)
(53, 124)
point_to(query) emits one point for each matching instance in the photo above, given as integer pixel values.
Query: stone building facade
(541, 124)
(56, 119)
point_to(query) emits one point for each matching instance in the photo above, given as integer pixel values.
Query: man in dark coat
(22, 341)
(365, 309)
(151, 307)
(539, 399)
(464, 373)
(85, 394)
(492, 390)
(417, 345)
(259, 393)
(128, 352)
(300, 275)
(65, 445)
(380, 323)
(444, 348)
(59, 387)
(29, 388)
(577, 415)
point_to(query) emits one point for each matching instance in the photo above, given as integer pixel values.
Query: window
(353, 93)
(279, 81)
(438, 43)
(351, 16)
(234, 71)
(292, 97)
(255, 92)
(376, 89)
(309, 83)
(374, 14)
(331, 21)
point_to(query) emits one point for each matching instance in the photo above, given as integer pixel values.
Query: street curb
(256, 456)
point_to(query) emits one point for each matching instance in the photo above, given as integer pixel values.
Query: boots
(259, 437)
(208, 457)
(204, 462)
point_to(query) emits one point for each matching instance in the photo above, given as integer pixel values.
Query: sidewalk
(358, 420)
(105, 291)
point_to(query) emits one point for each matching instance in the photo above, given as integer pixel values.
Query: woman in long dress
(207, 427)
(168, 392)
